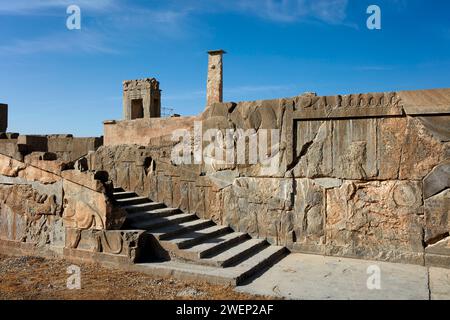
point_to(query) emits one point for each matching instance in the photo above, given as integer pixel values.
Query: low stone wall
(363, 176)
(142, 131)
(64, 147)
(68, 148)
(49, 205)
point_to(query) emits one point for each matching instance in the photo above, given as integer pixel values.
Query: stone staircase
(189, 240)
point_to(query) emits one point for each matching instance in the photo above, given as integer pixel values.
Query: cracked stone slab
(439, 284)
(437, 180)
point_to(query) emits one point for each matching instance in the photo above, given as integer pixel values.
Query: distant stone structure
(141, 99)
(3, 117)
(214, 87)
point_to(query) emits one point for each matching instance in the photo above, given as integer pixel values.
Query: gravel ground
(33, 278)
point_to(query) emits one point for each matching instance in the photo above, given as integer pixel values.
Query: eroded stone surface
(122, 243)
(437, 224)
(437, 180)
(354, 176)
(382, 220)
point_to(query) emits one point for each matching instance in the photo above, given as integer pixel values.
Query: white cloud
(26, 7)
(373, 68)
(65, 42)
(171, 18)
(328, 11)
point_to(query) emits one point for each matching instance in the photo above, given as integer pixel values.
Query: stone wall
(63, 147)
(364, 176)
(143, 131)
(40, 199)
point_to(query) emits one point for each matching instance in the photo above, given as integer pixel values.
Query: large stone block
(379, 220)
(30, 212)
(257, 206)
(111, 242)
(390, 141)
(309, 214)
(421, 152)
(314, 149)
(437, 180)
(355, 149)
(85, 208)
(437, 223)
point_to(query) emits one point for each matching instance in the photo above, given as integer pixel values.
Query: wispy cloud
(373, 68)
(115, 19)
(65, 42)
(26, 7)
(328, 11)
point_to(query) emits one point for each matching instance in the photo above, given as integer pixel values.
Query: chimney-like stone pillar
(214, 87)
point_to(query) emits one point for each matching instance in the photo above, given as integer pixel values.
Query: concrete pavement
(305, 277)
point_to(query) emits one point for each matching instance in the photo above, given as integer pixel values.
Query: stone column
(214, 87)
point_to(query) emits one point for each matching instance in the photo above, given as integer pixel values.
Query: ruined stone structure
(359, 175)
(352, 180)
(214, 86)
(141, 99)
(64, 146)
(3, 117)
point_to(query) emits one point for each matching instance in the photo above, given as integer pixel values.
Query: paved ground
(300, 276)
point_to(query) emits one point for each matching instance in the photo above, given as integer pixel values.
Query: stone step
(133, 200)
(118, 189)
(173, 230)
(143, 207)
(192, 238)
(199, 242)
(237, 253)
(216, 245)
(260, 261)
(152, 222)
(123, 195)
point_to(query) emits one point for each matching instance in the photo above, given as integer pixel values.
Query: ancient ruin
(141, 99)
(359, 175)
(214, 86)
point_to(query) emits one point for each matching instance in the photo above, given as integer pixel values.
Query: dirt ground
(32, 278)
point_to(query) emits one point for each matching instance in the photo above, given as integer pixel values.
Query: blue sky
(61, 81)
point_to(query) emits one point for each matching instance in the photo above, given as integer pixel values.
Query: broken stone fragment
(437, 222)
(437, 180)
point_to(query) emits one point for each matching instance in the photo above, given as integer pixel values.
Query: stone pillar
(214, 87)
(3, 117)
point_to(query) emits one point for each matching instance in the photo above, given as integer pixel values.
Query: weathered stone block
(381, 220)
(437, 180)
(421, 152)
(121, 243)
(88, 209)
(391, 134)
(309, 212)
(437, 223)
